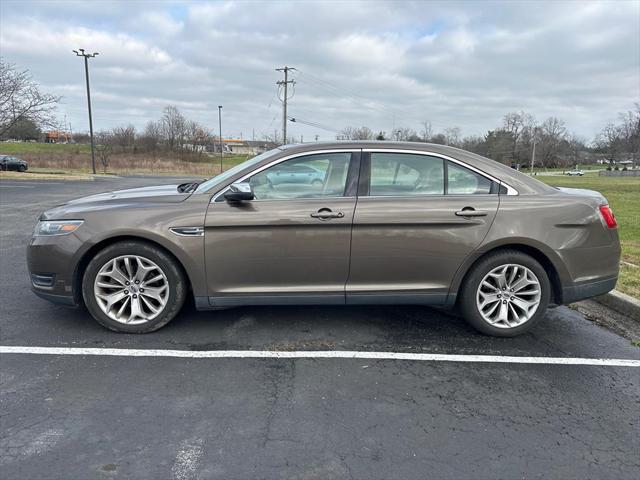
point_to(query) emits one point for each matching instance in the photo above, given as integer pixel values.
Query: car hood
(160, 193)
(141, 197)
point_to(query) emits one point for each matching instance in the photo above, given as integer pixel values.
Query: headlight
(57, 227)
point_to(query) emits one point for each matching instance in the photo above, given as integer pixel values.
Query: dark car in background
(389, 223)
(8, 162)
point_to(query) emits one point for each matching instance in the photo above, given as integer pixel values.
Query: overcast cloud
(378, 64)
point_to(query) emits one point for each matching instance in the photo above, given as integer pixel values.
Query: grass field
(623, 194)
(76, 159)
(21, 148)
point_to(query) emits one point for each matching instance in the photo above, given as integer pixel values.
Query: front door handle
(326, 214)
(470, 212)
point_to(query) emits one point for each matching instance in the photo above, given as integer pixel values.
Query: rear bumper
(586, 290)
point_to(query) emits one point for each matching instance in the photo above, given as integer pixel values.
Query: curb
(621, 303)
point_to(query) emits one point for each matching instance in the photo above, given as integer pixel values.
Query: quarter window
(405, 174)
(462, 181)
(309, 176)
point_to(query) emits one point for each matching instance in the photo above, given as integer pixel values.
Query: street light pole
(87, 56)
(220, 131)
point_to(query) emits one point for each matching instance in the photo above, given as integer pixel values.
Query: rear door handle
(470, 212)
(326, 214)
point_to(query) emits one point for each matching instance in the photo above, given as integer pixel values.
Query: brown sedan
(338, 223)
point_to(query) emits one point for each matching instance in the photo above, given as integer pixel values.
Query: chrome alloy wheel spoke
(508, 296)
(131, 289)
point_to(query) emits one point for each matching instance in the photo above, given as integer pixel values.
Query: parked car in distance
(401, 223)
(8, 162)
(575, 173)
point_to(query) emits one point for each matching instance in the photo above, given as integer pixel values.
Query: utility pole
(220, 131)
(285, 83)
(87, 56)
(533, 154)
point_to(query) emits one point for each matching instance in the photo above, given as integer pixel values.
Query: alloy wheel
(508, 296)
(131, 289)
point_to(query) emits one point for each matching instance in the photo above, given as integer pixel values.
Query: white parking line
(428, 357)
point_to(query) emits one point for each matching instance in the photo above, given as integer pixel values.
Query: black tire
(22, 168)
(469, 288)
(173, 272)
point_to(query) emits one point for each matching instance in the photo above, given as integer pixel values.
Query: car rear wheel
(505, 294)
(133, 287)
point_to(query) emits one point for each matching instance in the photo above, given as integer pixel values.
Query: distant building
(246, 147)
(55, 136)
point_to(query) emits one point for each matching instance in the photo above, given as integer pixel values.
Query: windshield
(218, 179)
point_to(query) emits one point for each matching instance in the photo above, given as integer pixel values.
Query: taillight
(608, 216)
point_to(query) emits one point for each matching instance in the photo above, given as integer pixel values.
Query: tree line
(515, 140)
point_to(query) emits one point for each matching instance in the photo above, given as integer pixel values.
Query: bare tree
(452, 135)
(173, 127)
(21, 99)
(575, 146)
(609, 140)
(196, 136)
(552, 135)
(518, 125)
(104, 148)
(124, 137)
(427, 131)
(630, 131)
(405, 134)
(151, 137)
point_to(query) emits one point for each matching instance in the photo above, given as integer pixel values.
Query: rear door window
(405, 174)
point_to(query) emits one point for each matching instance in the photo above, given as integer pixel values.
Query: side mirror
(239, 192)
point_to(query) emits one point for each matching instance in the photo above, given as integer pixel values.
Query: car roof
(523, 183)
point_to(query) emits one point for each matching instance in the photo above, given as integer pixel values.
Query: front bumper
(66, 300)
(52, 262)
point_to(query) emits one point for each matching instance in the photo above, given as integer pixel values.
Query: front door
(291, 243)
(410, 231)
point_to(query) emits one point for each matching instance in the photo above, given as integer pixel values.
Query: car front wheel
(505, 294)
(133, 287)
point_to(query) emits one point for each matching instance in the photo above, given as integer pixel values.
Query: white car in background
(573, 173)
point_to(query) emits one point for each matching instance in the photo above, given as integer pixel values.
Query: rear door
(289, 245)
(418, 216)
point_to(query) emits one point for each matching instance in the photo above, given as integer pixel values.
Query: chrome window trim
(223, 190)
(510, 190)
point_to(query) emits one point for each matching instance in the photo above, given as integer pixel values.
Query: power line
(356, 98)
(313, 124)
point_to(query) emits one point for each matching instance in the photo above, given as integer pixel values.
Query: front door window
(309, 176)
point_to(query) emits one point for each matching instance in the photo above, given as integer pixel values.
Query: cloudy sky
(380, 64)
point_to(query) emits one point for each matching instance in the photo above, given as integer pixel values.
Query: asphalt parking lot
(99, 416)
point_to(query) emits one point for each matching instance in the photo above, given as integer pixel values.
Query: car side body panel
(566, 229)
(413, 250)
(413, 246)
(272, 248)
(143, 220)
